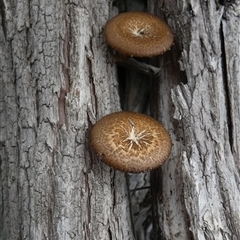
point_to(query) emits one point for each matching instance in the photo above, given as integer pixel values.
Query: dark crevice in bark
(50, 225)
(88, 207)
(61, 108)
(121, 86)
(37, 108)
(65, 70)
(225, 82)
(90, 71)
(136, 87)
(112, 174)
(226, 2)
(1, 204)
(130, 205)
(28, 177)
(18, 158)
(142, 67)
(139, 189)
(4, 21)
(92, 84)
(88, 154)
(2, 148)
(125, 89)
(156, 192)
(134, 92)
(110, 234)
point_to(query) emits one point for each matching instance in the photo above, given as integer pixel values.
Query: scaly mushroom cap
(130, 142)
(138, 34)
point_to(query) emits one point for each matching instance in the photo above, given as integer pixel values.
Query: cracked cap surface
(138, 34)
(130, 142)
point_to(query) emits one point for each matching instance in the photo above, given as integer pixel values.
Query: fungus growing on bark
(138, 34)
(130, 142)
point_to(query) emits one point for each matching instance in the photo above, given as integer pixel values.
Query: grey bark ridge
(201, 192)
(57, 82)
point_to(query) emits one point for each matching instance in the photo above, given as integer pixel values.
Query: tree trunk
(199, 102)
(56, 81)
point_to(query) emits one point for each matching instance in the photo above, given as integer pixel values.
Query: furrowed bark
(56, 83)
(198, 103)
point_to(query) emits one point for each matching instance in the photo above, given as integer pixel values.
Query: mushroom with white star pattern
(130, 142)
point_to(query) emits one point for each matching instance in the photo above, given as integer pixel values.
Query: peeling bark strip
(200, 188)
(51, 187)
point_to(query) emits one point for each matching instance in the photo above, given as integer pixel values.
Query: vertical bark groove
(225, 80)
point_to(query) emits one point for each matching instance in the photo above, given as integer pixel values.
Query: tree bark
(57, 80)
(198, 101)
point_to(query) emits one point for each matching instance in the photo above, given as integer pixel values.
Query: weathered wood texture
(199, 102)
(56, 81)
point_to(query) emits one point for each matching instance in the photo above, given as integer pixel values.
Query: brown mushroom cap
(130, 142)
(138, 34)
